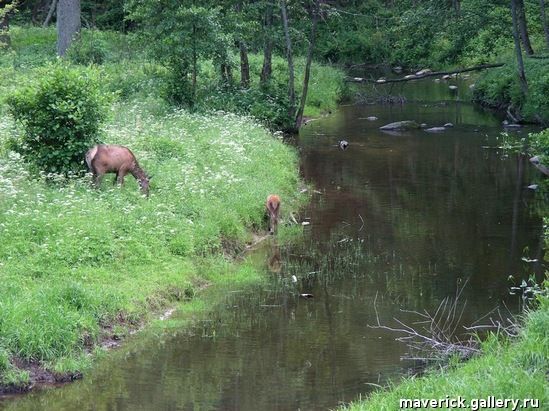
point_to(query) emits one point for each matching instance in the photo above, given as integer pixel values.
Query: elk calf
(273, 210)
(110, 158)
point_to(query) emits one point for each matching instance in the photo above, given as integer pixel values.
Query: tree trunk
(544, 21)
(523, 27)
(268, 47)
(244, 63)
(226, 72)
(68, 24)
(50, 13)
(314, 18)
(194, 73)
(244, 66)
(518, 50)
(36, 9)
(289, 56)
(5, 9)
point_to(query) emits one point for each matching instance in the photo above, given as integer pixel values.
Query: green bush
(60, 112)
(87, 51)
(270, 106)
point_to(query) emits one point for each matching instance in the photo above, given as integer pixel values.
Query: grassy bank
(80, 267)
(78, 263)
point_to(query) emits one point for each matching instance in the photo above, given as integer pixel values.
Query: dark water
(402, 220)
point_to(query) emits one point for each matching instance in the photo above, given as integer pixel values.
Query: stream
(397, 222)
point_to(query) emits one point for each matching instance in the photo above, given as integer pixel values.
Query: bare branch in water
(433, 336)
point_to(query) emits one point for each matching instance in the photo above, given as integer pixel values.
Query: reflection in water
(275, 260)
(405, 217)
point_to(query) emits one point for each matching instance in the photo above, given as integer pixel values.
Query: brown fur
(273, 210)
(110, 158)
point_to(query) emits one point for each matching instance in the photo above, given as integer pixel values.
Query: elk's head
(144, 184)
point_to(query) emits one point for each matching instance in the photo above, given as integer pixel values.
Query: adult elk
(273, 210)
(110, 158)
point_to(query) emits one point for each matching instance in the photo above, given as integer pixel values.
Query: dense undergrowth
(131, 74)
(79, 265)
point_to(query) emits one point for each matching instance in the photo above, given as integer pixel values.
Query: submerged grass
(76, 262)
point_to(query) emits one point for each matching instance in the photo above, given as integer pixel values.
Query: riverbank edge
(39, 376)
(493, 373)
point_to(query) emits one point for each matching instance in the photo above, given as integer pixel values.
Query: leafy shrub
(87, 51)
(61, 112)
(270, 106)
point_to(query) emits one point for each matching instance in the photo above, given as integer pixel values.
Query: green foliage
(539, 145)
(427, 33)
(270, 104)
(164, 25)
(500, 88)
(91, 50)
(61, 113)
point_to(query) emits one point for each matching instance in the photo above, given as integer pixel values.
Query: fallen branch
(434, 337)
(424, 75)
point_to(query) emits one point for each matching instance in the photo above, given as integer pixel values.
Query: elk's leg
(272, 223)
(97, 180)
(120, 176)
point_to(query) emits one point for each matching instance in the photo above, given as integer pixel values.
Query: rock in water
(343, 144)
(401, 125)
(435, 129)
(448, 125)
(371, 118)
(423, 72)
(533, 186)
(452, 87)
(536, 162)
